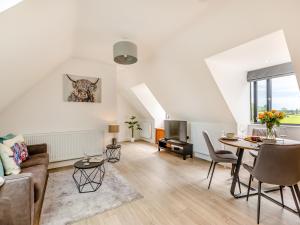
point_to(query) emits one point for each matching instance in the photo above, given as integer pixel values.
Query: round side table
(88, 178)
(113, 153)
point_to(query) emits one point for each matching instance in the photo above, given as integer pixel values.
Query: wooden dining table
(241, 146)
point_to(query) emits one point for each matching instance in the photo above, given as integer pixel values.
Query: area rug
(63, 204)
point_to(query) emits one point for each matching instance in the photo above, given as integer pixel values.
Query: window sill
(282, 125)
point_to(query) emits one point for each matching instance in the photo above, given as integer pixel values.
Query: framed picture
(82, 89)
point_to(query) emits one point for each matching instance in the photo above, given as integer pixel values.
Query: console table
(181, 148)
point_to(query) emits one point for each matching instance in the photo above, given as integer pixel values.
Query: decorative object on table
(271, 119)
(125, 52)
(82, 89)
(114, 129)
(229, 136)
(88, 177)
(133, 124)
(96, 159)
(63, 204)
(253, 139)
(113, 153)
(86, 159)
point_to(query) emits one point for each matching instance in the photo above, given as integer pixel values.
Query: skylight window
(6, 4)
(151, 104)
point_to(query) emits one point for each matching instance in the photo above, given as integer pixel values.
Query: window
(280, 93)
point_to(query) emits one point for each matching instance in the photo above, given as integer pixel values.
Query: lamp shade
(125, 52)
(113, 128)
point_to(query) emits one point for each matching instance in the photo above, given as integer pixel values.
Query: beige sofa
(21, 197)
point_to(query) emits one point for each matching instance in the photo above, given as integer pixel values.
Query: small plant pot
(132, 140)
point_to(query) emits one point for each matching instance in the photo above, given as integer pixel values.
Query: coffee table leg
(240, 153)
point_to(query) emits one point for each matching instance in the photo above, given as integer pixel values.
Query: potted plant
(133, 124)
(271, 119)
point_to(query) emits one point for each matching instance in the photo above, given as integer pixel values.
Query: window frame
(254, 113)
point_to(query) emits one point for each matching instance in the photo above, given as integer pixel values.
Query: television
(176, 130)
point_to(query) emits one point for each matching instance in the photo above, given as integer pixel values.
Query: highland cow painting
(82, 89)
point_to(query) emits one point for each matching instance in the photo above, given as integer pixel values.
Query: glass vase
(271, 133)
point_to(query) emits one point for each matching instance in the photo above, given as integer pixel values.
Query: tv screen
(176, 130)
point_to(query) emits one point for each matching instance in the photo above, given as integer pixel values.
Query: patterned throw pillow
(19, 149)
(20, 152)
(7, 158)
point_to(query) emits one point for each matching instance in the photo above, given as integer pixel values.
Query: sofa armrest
(37, 149)
(17, 200)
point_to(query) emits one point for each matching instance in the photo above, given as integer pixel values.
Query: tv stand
(182, 148)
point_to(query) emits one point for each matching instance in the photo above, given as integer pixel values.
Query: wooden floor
(175, 192)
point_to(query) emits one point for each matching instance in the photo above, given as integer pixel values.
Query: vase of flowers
(271, 119)
(133, 124)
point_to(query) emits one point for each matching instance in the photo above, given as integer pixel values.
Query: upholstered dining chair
(278, 165)
(218, 156)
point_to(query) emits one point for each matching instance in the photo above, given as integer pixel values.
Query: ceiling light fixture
(125, 52)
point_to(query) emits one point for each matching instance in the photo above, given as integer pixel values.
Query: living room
(139, 112)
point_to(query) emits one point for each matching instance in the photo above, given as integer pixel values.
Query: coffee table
(88, 178)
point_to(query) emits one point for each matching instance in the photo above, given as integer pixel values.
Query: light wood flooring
(175, 192)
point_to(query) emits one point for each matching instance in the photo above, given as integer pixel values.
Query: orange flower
(260, 116)
(274, 111)
(270, 114)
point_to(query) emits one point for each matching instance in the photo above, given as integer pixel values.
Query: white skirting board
(69, 145)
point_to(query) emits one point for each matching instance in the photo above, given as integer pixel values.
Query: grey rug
(63, 203)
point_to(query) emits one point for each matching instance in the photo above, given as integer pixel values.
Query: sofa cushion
(7, 157)
(19, 148)
(39, 176)
(6, 137)
(37, 159)
(1, 168)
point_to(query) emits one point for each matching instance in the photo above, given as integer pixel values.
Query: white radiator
(69, 145)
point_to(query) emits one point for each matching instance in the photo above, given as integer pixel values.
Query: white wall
(42, 108)
(125, 111)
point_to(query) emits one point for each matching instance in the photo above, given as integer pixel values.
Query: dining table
(241, 144)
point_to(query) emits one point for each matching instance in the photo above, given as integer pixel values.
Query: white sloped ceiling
(174, 38)
(35, 38)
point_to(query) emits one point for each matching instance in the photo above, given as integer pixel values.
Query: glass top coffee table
(88, 178)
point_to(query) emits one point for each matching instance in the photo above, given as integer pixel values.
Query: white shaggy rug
(63, 203)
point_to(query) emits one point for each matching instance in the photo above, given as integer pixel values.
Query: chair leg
(297, 192)
(258, 202)
(212, 174)
(281, 194)
(239, 183)
(254, 162)
(249, 186)
(295, 199)
(209, 169)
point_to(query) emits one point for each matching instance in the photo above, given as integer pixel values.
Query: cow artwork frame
(82, 89)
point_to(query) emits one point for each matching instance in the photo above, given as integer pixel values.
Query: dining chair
(218, 156)
(278, 165)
